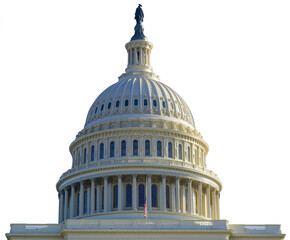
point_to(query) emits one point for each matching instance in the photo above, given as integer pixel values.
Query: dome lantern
(139, 48)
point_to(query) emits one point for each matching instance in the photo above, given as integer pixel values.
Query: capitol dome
(139, 95)
(139, 150)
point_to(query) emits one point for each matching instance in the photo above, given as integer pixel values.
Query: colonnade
(128, 192)
(138, 56)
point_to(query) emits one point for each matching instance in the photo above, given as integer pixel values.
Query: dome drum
(110, 196)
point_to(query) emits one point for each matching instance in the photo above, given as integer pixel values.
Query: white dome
(139, 95)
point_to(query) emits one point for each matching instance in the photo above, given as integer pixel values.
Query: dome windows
(96, 110)
(102, 151)
(109, 105)
(170, 154)
(154, 103)
(135, 148)
(112, 149)
(159, 149)
(145, 102)
(92, 153)
(163, 104)
(147, 148)
(136, 102)
(126, 102)
(102, 107)
(118, 103)
(123, 148)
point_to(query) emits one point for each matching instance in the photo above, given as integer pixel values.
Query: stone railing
(147, 224)
(36, 228)
(255, 229)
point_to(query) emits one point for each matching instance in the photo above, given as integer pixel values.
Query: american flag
(145, 209)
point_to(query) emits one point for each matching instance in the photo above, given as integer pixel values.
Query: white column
(92, 208)
(194, 202)
(218, 205)
(81, 199)
(189, 192)
(88, 189)
(60, 213)
(134, 193)
(135, 56)
(183, 199)
(208, 201)
(149, 194)
(214, 205)
(172, 200)
(163, 198)
(120, 193)
(98, 198)
(141, 56)
(105, 194)
(65, 203)
(177, 195)
(72, 202)
(200, 198)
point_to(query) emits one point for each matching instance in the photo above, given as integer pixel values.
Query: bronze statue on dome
(139, 15)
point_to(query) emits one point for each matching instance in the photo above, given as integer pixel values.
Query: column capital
(119, 175)
(134, 175)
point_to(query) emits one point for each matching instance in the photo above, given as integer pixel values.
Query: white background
(229, 60)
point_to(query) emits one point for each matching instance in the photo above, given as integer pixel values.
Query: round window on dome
(102, 107)
(145, 102)
(126, 103)
(117, 104)
(135, 102)
(109, 105)
(163, 104)
(154, 103)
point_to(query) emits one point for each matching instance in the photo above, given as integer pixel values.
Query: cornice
(107, 168)
(32, 235)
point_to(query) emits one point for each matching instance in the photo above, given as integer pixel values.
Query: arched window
(136, 102)
(117, 103)
(159, 149)
(123, 148)
(85, 155)
(145, 102)
(141, 195)
(92, 153)
(188, 154)
(154, 103)
(102, 107)
(109, 105)
(179, 151)
(101, 150)
(96, 110)
(167, 197)
(170, 155)
(135, 147)
(163, 104)
(85, 202)
(128, 195)
(115, 196)
(112, 149)
(147, 148)
(154, 195)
